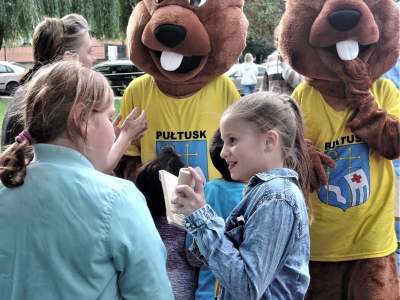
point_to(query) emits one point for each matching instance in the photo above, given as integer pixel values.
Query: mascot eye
(158, 1)
(197, 3)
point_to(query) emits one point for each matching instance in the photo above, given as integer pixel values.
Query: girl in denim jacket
(262, 251)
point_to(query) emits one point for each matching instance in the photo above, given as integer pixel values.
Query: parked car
(119, 73)
(10, 74)
(234, 74)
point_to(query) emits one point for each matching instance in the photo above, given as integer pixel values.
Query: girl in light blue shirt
(262, 251)
(69, 231)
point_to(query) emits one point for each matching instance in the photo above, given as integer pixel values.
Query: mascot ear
(137, 52)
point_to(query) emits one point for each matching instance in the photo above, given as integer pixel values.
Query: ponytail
(302, 163)
(266, 111)
(13, 163)
(28, 75)
(52, 38)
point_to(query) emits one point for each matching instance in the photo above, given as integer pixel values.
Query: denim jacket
(262, 251)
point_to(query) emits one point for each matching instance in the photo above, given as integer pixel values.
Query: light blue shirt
(262, 252)
(394, 74)
(71, 232)
(222, 196)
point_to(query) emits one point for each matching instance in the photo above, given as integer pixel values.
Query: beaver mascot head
(185, 44)
(343, 47)
(319, 36)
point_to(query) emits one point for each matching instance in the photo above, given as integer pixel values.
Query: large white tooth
(347, 50)
(170, 61)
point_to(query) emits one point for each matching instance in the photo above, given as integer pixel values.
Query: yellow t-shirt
(186, 124)
(353, 214)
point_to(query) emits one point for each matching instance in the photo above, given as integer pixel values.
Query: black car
(119, 73)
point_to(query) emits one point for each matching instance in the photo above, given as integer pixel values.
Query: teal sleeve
(137, 250)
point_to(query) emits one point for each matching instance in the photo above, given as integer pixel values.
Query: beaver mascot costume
(184, 47)
(351, 116)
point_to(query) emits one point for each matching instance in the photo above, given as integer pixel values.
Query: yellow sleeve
(233, 94)
(127, 105)
(229, 91)
(296, 95)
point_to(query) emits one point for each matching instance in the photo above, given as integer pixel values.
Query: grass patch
(117, 104)
(3, 107)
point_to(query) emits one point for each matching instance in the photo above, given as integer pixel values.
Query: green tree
(107, 18)
(263, 16)
(17, 19)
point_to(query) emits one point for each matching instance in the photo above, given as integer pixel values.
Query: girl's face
(244, 149)
(85, 55)
(100, 137)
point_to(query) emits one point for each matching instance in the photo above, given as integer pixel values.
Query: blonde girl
(262, 251)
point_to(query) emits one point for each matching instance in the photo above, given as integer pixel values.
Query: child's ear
(271, 140)
(70, 56)
(78, 117)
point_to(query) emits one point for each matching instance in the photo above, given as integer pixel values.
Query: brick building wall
(24, 55)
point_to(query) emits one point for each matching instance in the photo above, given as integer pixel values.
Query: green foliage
(263, 16)
(107, 18)
(17, 19)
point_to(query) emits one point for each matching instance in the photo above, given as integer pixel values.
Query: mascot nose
(344, 19)
(170, 35)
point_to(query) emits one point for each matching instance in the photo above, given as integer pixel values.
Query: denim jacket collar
(272, 174)
(59, 155)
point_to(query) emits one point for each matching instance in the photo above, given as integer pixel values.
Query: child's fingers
(132, 114)
(142, 119)
(184, 191)
(142, 115)
(198, 181)
(117, 120)
(177, 201)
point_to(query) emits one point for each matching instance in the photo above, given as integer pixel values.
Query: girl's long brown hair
(53, 37)
(50, 99)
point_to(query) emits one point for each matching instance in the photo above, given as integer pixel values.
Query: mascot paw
(365, 115)
(318, 159)
(357, 83)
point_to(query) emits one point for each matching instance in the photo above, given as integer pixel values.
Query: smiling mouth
(177, 63)
(231, 165)
(347, 50)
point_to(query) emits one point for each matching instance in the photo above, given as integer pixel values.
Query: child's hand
(116, 122)
(189, 199)
(134, 127)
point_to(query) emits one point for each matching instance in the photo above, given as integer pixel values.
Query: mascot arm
(373, 125)
(378, 129)
(318, 159)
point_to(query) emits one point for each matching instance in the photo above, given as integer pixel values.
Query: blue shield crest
(349, 182)
(192, 153)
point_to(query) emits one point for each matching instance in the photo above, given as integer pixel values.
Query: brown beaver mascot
(351, 116)
(184, 47)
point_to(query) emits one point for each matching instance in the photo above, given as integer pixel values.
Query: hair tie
(23, 136)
